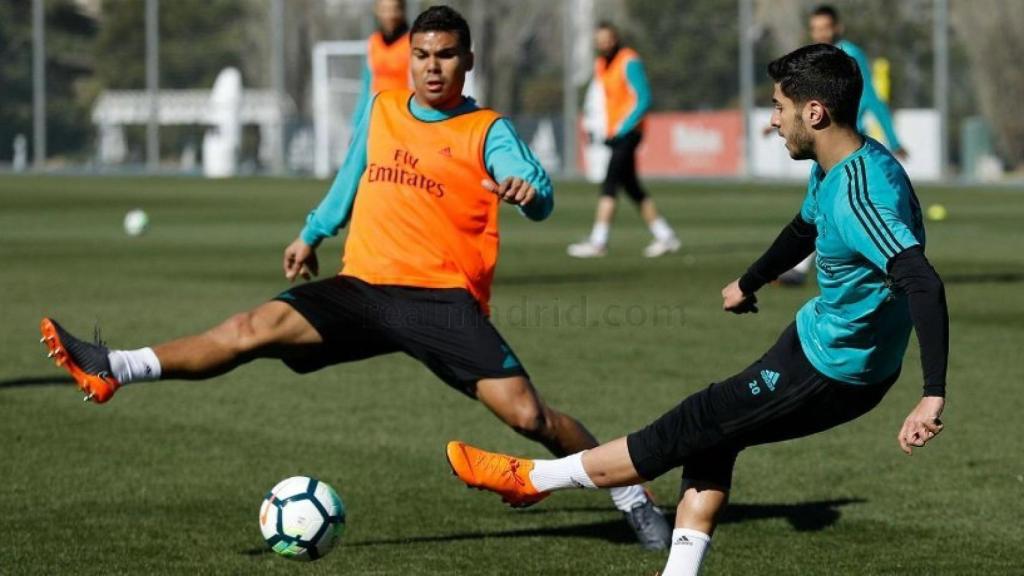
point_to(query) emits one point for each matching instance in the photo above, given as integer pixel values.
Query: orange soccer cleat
(86, 362)
(506, 475)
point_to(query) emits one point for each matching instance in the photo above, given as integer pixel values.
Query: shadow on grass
(803, 517)
(24, 381)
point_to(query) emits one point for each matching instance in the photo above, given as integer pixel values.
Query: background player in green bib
(834, 364)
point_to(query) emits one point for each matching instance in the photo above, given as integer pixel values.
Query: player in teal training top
(826, 28)
(504, 155)
(866, 214)
(833, 364)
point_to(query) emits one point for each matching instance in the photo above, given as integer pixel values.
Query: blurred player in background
(627, 97)
(387, 55)
(421, 186)
(824, 27)
(833, 364)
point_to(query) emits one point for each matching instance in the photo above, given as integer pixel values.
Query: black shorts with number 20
(779, 397)
(444, 329)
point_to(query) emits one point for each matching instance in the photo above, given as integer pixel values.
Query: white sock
(805, 265)
(661, 230)
(627, 497)
(560, 474)
(599, 234)
(568, 472)
(687, 552)
(140, 365)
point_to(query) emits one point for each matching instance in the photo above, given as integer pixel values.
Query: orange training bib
(421, 217)
(388, 63)
(619, 97)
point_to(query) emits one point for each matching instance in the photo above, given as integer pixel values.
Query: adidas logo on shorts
(770, 378)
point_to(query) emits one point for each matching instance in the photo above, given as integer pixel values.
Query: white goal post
(337, 79)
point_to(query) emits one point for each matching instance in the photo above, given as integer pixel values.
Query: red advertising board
(692, 144)
(680, 144)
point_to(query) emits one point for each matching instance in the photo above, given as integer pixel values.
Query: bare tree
(990, 32)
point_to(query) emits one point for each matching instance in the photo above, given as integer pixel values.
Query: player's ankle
(687, 552)
(129, 366)
(560, 474)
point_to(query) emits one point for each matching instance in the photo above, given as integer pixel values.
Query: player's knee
(637, 195)
(241, 332)
(530, 420)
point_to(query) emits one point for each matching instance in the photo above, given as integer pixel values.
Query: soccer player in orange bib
(387, 55)
(421, 186)
(627, 97)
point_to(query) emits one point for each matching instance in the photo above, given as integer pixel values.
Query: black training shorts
(444, 329)
(779, 397)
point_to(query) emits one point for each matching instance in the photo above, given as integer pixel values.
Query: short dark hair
(826, 10)
(443, 19)
(606, 25)
(821, 72)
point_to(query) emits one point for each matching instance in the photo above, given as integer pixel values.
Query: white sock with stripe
(568, 472)
(626, 497)
(687, 552)
(129, 366)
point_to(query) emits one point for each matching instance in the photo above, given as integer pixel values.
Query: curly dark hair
(443, 19)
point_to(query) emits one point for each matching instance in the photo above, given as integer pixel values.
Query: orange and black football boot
(505, 475)
(87, 362)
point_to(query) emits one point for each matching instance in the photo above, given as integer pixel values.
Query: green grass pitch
(168, 477)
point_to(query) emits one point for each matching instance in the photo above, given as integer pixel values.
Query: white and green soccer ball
(136, 222)
(302, 518)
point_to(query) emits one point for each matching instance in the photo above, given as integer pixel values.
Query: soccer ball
(301, 518)
(136, 222)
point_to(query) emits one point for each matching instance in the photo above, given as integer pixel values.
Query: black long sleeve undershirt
(794, 243)
(914, 276)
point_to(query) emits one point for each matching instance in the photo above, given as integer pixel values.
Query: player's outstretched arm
(517, 177)
(335, 209)
(300, 260)
(792, 245)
